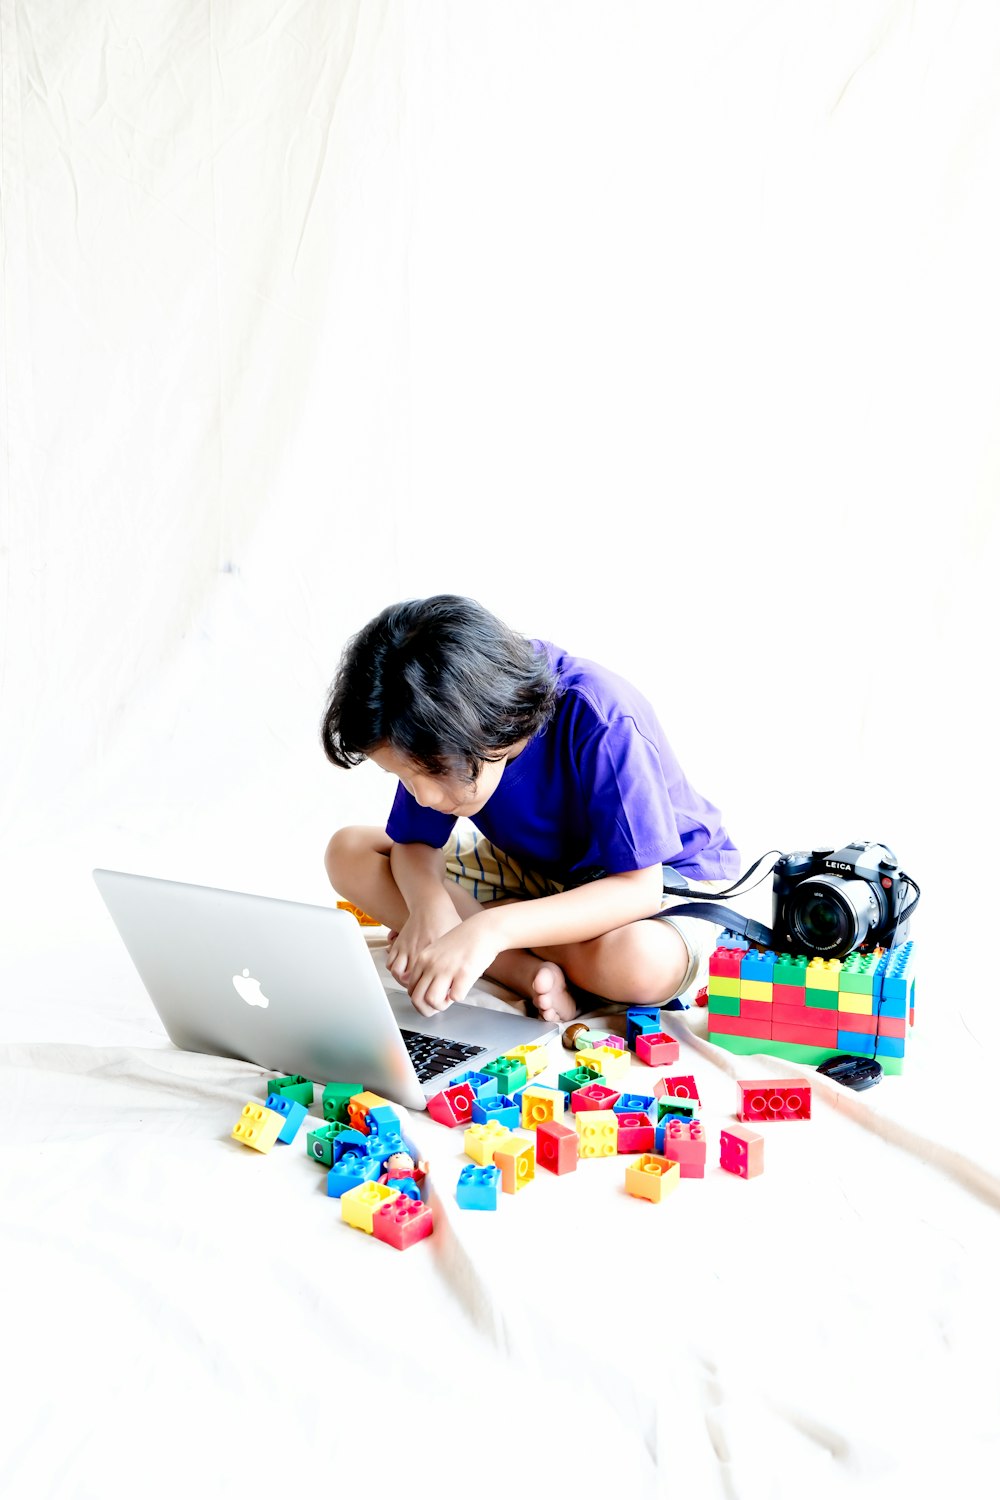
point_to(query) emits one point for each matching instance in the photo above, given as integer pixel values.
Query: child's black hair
(441, 681)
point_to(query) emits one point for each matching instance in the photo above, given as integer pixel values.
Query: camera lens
(831, 916)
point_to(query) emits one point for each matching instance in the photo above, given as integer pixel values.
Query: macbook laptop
(294, 988)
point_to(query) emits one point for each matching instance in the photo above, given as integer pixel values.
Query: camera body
(828, 903)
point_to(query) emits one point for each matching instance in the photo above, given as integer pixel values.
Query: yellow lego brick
(823, 974)
(258, 1127)
(858, 1005)
(516, 1160)
(534, 1055)
(598, 1132)
(359, 1205)
(539, 1104)
(653, 1177)
(611, 1062)
(756, 989)
(722, 984)
(482, 1140)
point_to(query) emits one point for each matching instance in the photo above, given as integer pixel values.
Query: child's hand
(447, 968)
(417, 933)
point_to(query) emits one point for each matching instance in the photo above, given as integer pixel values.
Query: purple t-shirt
(597, 789)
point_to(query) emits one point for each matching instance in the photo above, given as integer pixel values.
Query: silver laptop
(294, 988)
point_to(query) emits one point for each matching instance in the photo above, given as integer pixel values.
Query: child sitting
(576, 801)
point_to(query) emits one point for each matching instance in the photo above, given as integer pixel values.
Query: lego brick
(893, 1026)
(319, 1142)
(539, 1104)
(636, 1132)
(741, 1151)
(790, 970)
(480, 1141)
(403, 1222)
(721, 984)
(792, 1052)
(593, 1096)
(823, 974)
(675, 1109)
(727, 939)
(701, 998)
(751, 989)
(788, 994)
(894, 1006)
(889, 1046)
(885, 1046)
(805, 1015)
(854, 1004)
(896, 973)
(736, 1026)
(350, 1172)
(724, 1005)
(851, 1021)
(857, 973)
(757, 966)
(598, 1132)
(359, 1205)
(534, 1056)
(382, 1147)
(453, 1106)
(497, 1107)
(656, 1049)
(809, 1036)
(613, 1062)
(725, 962)
(680, 1086)
(640, 1019)
(516, 1159)
(578, 1078)
(382, 1119)
(294, 1086)
(586, 1040)
(683, 1141)
(483, 1085)
(336, 1098)
(292, 1114)
(478, 1187)
(509, 1072)
(631, 1104)
(258, 1127)
(361, 917)
(756, 1010)
(652, 1177)
(772, 1099)
(349, 1142)
(557, 1147)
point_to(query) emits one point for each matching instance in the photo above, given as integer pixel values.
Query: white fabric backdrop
(669, 332)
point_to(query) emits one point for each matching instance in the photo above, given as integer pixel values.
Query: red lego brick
(804, 1036)
(770, 1099)
(593, 1096)
(736, 1026)
(452, 1106)
(657, 1049)
(557, 1147)
(683, 1141)
(852, 1020)
(806, 1015)
(682, 1086)
(741, 1151)
(635, 1133)
(726, 962)
(402, 1222)
(702, 996)
(789, 994)
(891, 1025)
(756, 1010)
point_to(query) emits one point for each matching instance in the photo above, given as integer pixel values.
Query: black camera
(828, 903)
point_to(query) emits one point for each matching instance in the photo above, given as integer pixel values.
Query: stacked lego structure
(810, 1009)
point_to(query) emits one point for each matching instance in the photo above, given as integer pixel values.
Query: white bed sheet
(179, 1311)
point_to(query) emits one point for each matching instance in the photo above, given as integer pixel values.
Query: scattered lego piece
(683, 1141)
(769, 1099)
(681, 1086)
(598, 1132)
(402, 1222)
(496, 1107)
(509, 1072)
(362, 916)
(669, 1108)
(319, 1142)
(557, 1147)
(478, 1187)
(593, 1096)
(350, 1172)
(635, 1132)
(656, 1049)
(534, 1055)
(453, 1106)
(701, 998)
(741, 1151)
(292, 1114)
(481, 1141)
(652, 1177)
(515, 1157)
(539, 1104)
(358, 1106)
(359, 1205)
(337, 1097)
(293, 1087)
(258, 1127)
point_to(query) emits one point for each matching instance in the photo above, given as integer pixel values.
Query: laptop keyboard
(431, 1055)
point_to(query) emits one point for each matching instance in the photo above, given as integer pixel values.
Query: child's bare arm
(418, 871)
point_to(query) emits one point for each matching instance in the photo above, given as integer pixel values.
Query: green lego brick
(578, 1078)
(508, 1072)
(821, 999)
(335, 1100)
(790, 969)
(294, 1087)
(319, 1142)
(723, 1005)
(858, 972)
(793, 1051)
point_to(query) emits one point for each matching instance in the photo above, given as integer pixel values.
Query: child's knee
(347, 849)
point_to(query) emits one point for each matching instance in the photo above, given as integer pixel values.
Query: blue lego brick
(499, 1107)
(381, 1146)
(729, 939)
(890, 1046)
(893, 1006)
(293, 1112)
(478, 1187)
(406, 1185)
(351, 1171)
(636, 1104)
(895, 970)
(677, 1003)
(483, 1085)
(640, 1019)
(350, 1142)
(857, 1041)
(382, 1119)
(759, 966)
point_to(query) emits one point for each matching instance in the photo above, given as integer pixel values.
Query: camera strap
(723, 916)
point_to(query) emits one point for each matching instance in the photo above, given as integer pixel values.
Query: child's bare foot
(551, 994)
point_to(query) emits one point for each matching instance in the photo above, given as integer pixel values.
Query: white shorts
(491, 875)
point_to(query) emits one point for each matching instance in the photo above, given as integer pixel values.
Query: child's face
(446, 794)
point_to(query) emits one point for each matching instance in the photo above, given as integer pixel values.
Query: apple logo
(249, 989)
